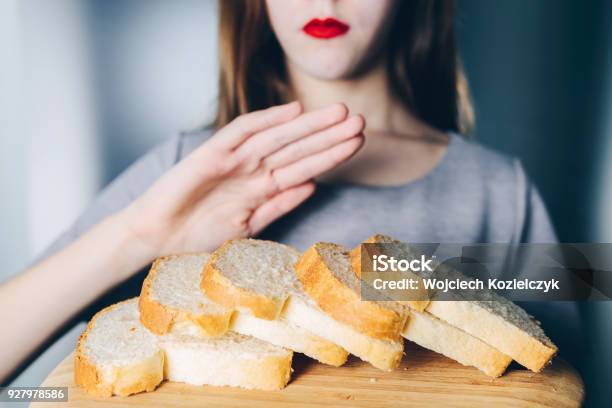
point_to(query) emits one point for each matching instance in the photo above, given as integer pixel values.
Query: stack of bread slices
(235, 317)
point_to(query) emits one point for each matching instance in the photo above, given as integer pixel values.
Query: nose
(326, 7)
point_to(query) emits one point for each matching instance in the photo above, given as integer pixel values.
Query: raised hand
(251, 172)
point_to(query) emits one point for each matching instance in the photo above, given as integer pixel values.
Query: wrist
(133, 253)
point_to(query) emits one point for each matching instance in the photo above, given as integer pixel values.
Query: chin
(327, 66)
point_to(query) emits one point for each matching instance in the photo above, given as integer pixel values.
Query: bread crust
(327, 352)
(222, 291)
(271, 374)
(355, 259)
(87, 376)
(160, 318)
(384, 355)
(341, 302)
(123, 381)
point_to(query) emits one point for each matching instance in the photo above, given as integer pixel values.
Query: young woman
(383, 71)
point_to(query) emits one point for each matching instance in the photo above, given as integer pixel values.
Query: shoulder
(498, 185)
(161, 158)
(149, 167)
(472, 160)
(169, 151)
(478, 156)
(189, 140)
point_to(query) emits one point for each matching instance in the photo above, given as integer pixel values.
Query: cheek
(278, 14)
(371, 18)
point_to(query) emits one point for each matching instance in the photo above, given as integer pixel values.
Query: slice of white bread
(171, 300)
(434, 334)
(258, 277)
(491, 318)
(233, 360)
(503, 325)
(381, 353)
(286, 334)
(251, 275)
(327, 276)
(117, 355)
(366, 329)
(171, 296)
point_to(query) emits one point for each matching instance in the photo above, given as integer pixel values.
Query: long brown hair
(423, 65)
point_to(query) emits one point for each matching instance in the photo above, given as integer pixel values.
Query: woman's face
(330, 39)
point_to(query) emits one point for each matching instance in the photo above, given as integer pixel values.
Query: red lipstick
(325, 28)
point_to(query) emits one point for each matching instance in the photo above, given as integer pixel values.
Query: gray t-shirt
(473, 195)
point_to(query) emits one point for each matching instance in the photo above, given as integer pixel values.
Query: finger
(274, 138)
(314, 165)
(316, 142)
(279, 205)
(244, 126)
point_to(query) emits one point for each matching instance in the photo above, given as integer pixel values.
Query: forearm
(37, 302)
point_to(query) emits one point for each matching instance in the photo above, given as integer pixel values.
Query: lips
(325, 28)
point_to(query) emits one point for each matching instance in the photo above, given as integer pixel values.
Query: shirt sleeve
(124, 189)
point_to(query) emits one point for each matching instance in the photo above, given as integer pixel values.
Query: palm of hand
(250, 173)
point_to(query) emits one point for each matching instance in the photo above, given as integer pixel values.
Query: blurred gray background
(90, 85)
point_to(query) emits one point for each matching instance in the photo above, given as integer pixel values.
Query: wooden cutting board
(424, 379)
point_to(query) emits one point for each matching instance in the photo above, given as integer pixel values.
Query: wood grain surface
(425, 379)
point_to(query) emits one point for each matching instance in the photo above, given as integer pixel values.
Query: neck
(368, 94)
